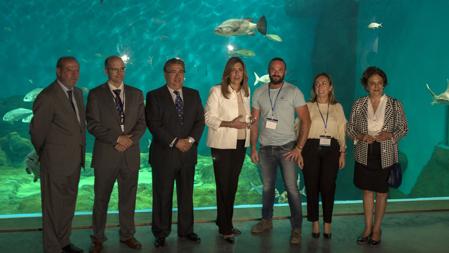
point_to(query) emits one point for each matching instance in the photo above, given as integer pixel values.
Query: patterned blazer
(394, 122)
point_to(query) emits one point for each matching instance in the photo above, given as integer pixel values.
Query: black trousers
(320, 173)
(227, 166)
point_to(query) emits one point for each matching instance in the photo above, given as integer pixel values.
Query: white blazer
(218, 109)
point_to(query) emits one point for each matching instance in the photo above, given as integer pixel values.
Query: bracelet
(298, 148)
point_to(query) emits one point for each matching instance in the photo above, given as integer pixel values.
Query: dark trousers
(320, 173)
(127, 189)
(163, 183)
(227, 167)
(58, 193)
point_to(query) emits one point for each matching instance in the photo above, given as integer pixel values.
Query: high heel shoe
(363, 240)
(375, 243)
(316, 235)
(327, 236)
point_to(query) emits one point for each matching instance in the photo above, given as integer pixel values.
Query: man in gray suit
(58, 135)
(116, 118)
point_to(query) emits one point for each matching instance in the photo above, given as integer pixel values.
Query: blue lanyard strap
(273, 106)
(327, 115)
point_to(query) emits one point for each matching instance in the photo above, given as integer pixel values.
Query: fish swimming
(242, 52)
(374, 25)
(274, 37)
(33, 165)
(241, 27)
(263, 79)
(27, 119)
(443, 98)
(17, 114)
(31, 95)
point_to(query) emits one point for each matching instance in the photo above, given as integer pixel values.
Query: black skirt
(372, 177)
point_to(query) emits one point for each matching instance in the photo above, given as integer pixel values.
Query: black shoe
(327, 236)
(374, 243)
(229, 238)
(236, 231)
(159, 242)
(71, 249)
(192, 237)
(362, 240)
(315, 235)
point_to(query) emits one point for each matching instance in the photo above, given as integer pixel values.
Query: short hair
(276, 59)
(173, 61)
(370, 71)
(62, 59)
(109, 58)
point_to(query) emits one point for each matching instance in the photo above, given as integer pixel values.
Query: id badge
(325, 141)
(271, 123)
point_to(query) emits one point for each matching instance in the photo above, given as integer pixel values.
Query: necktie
(70, 94)
(179, 107)
(119, 105)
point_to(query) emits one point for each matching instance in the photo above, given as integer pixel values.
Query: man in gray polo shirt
(274, 106)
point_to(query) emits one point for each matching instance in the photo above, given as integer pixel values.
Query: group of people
(117, 117)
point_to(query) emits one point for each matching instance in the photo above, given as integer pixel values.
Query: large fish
(17, 114)
(443, 98)
(262, 79)
(241, 27)
(31, 95)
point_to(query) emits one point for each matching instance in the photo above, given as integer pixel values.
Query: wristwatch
(191, 140)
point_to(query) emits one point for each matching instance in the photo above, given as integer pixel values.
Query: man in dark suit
(58, 135)
(175, 117)
(116, 118)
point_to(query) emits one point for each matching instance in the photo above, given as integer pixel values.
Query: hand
(254, 156)
(300, 161)
(383, 136)
(125, 140)
(342, 160)
(236, 123)
(183, 145)
(367, 138)
(120, 148)
(293, 155)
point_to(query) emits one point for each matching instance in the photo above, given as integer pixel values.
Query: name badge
(325, 140)
(271, 123)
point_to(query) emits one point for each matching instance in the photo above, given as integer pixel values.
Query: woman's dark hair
(332, 99)
(370, 71)
(226, 81)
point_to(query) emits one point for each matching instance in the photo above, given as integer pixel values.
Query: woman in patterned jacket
(376, 125)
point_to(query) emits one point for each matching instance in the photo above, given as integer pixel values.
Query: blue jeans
(270, 158)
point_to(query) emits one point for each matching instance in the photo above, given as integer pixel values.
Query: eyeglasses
(122, 69)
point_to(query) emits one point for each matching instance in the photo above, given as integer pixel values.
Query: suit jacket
(394, 122)
(162, 120)
(218, 109)
(57, 136)
(103, 122)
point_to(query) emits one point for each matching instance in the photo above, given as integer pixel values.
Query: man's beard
(279, 81)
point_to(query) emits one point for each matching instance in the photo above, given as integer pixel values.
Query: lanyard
(327, 116)
(273, 106)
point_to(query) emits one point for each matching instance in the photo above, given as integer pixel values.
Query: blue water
(327, 35)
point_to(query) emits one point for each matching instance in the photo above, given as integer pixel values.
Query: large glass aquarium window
(406, 38)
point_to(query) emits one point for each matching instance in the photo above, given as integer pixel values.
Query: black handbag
(395, 178)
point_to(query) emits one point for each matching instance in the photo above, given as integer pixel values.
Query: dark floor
(402, 232)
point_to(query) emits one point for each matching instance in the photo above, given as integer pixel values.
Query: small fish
(16, 114)
(263, 79)
(374, 25)
(443, 98)
(274, 37)
(31, 95)
(32, 165)
(241, 27)
(242, 52)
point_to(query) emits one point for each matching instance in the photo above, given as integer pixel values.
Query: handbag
(395, 178)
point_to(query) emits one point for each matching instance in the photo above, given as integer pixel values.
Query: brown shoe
(96, 247)
(262, 226)
(295, 237)
(132, 243)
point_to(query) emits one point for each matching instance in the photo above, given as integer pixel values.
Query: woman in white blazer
(227, 115)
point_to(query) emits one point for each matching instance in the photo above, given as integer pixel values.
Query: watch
(191, 140)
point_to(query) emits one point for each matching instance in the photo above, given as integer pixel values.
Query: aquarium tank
(406, 38)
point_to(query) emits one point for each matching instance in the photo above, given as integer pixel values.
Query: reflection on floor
(402, 232)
